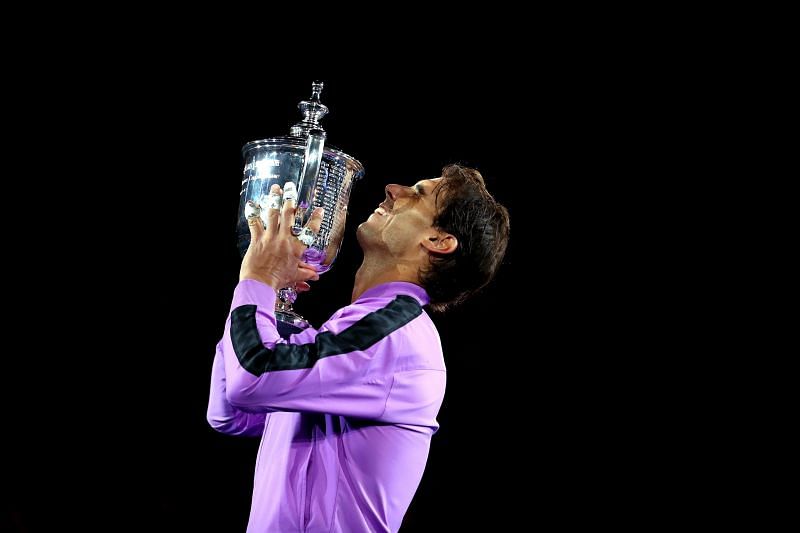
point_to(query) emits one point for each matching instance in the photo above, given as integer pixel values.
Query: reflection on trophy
(322, 176)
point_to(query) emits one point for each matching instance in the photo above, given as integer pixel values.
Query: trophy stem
(289, 321)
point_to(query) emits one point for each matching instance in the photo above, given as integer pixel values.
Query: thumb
(315, 221)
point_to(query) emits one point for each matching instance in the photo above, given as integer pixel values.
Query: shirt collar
(396, 288)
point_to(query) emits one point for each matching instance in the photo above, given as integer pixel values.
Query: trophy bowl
(323, 177)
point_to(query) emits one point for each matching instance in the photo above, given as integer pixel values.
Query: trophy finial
(316, 89)
(312, 110)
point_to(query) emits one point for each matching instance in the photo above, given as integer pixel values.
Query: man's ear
(440, 242)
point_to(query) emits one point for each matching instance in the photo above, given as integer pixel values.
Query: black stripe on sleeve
(372, 327)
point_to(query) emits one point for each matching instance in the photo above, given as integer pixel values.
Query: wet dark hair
(466, 210)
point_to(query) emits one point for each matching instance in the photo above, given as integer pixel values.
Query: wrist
(272, 281)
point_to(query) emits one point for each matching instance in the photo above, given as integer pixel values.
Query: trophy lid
(312, 110)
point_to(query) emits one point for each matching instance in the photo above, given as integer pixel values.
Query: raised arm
(345, 368)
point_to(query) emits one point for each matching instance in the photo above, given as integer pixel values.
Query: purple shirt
(345, 413)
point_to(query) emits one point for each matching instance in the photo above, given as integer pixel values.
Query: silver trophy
(323, 177)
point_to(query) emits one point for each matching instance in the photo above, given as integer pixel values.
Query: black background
(109, 427)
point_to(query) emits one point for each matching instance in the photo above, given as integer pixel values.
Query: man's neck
(373, 273)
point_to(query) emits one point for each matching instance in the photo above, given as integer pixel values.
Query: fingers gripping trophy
(299, 168)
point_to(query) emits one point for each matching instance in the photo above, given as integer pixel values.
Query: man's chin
(364, 225)
(363, 233)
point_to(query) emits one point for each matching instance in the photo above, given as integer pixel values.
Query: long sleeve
(221, 415)
(346, 368)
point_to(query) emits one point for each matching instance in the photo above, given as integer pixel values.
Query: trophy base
(290, 323)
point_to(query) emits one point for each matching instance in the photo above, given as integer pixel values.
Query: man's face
(402, 221)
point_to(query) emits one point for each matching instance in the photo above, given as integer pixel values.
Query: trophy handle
(315, 146)
(306, 186)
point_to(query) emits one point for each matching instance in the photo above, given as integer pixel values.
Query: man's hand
(274, 255)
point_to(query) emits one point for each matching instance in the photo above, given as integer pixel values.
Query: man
(346, 412)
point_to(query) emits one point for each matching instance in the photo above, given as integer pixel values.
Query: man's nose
(394, 191)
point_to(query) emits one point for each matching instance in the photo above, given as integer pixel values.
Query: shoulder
(418, 346)
(388, 314)
(397, 324)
